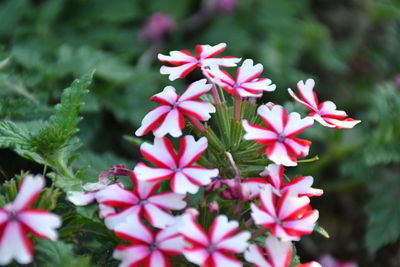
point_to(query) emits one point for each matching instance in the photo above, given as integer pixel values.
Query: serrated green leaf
(56, 253)
(383, 212)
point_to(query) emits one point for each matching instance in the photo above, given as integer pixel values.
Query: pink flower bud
(270, 105)
(227, 194)
(396, 81)
(213, 207)
(192, 212)
(115, 172)
(226, 6)
(157, 27)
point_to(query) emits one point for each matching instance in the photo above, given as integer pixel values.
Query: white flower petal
(15, 245)
(42, 223)
(28, 192)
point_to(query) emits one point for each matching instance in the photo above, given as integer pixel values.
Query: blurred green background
(350, 47)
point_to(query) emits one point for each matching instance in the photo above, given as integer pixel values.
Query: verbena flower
(142, 200)
(168, 117)
(246, 83)
(325, 113)
(148, 248)
(273, 175)
(185, 178)
(279, 136)
(80, 198)
(214, 249)
(18, 219)
(183, 62)
(288, 217)
(279, 254)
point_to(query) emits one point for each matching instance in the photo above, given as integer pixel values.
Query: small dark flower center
(143, 202)
(153, 247)
(211, 248)
(235, 85)
(281, 138)
(13, 216)
(176, 169)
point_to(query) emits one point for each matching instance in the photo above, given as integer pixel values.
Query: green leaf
(320, 230)
(56, 253)
(383, 212)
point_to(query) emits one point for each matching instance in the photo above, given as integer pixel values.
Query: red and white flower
(148, 249)
(279, 254)
(183, 62)
(325, 113)
(168, 117)
(273, 175)
(288, 217)
(141, 200)
(185, 178)
(246, 83)
(105, 179)
(279, 136)
(214, 249)
(17, 219)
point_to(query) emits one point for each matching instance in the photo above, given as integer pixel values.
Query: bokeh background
(350, 47)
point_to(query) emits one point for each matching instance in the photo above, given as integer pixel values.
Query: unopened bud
(226, 6)
(227, 194)
(157, 27)
(192, 212)
(270, 105)
(396, 81)
(213, 207)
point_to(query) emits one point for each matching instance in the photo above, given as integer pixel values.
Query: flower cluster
(190, 172)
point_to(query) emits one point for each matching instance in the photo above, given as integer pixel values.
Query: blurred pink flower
(327, 260)
(226, 6)
(157, 27)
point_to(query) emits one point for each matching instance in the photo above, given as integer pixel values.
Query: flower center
(153, 247)
(235, 85)
(211, 248)
(281, 138)
(176, 169)
(12, 215)
(143, 202)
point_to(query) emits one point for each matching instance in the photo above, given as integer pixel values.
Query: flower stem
(237, 108)
(197, 124)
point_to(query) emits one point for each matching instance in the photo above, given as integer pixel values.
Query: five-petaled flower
(17, 219)
(325, 113)
(214, 249)
(282, 146)
(141, 200)
(246, 83)
(148, 249)
(279, 254)
(183, 62)
(185, 178)
(169, 116)
(288, 217)
(273, 175)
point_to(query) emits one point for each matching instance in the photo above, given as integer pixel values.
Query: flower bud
(226, 6)
(157, 27)
(213, 207)
(192, 212)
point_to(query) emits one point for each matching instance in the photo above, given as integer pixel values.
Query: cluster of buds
(228, 167)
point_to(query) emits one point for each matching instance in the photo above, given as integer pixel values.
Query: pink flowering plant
(211, 190)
